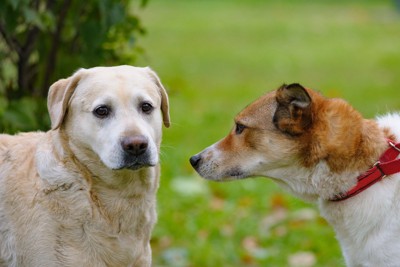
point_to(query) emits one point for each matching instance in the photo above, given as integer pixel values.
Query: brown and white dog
(84, 193)
(317, 148)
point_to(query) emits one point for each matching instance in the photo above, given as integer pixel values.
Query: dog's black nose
(195, 160)
(135, 145)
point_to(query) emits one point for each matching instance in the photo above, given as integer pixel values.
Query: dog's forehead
(260, 109)
(114, 80)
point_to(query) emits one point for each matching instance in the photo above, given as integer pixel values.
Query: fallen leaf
(278, 201)
(302, 259)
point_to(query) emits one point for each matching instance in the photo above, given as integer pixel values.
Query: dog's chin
(231, 175)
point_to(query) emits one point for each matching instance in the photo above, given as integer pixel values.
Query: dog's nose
(195, 160)
(135, 145)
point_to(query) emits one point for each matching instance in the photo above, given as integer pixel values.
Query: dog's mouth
(211, 170)
(136, 163)
(139, 165)
(230, 175)
(236, 173)
(134, 166)
(225, 178)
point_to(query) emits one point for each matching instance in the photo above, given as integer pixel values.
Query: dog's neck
(324, 178)
(352, 157)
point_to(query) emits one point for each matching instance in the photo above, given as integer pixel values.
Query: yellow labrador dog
(84, 193)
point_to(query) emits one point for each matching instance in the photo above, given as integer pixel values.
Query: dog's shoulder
(20, 143)
(17, 153)
(33, 170)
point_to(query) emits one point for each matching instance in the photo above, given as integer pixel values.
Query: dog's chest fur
(108, 238)
(114, 234)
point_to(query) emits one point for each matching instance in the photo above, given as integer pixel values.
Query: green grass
(215, 57)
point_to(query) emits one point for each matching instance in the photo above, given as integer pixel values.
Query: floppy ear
(58, 98)
(293, 114)
(164, 96)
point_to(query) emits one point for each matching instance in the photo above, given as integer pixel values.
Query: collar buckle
(377, 165)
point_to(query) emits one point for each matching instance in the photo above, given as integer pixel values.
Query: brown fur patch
(340, 136)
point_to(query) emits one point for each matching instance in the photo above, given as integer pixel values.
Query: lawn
(215, 57)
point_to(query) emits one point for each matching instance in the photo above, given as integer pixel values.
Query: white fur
(390, 121)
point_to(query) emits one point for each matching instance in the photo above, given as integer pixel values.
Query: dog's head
(293, 135)
(263, 136)
(112, 113)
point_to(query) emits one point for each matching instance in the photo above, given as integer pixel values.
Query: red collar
(386, 165)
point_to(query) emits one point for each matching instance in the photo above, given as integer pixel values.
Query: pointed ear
(293, 114)
(58, 98)
(164, 96)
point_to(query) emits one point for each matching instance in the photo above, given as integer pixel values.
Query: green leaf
(32, 17)
(3, 105)
(13, 3)
(48, 21)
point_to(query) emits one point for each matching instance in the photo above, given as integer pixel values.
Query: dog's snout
(135, 145)
(195, 160)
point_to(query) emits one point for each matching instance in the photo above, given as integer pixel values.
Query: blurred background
(214, 57)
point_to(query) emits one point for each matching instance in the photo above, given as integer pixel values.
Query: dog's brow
(107, 100)
(238, 121)
(242, 121)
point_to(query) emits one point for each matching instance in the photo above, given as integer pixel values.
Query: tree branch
(52, 59)
(11, 42)
(23, 62)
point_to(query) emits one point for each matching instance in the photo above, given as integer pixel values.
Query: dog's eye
(147, 107)
(101, 111)
(239, 128)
